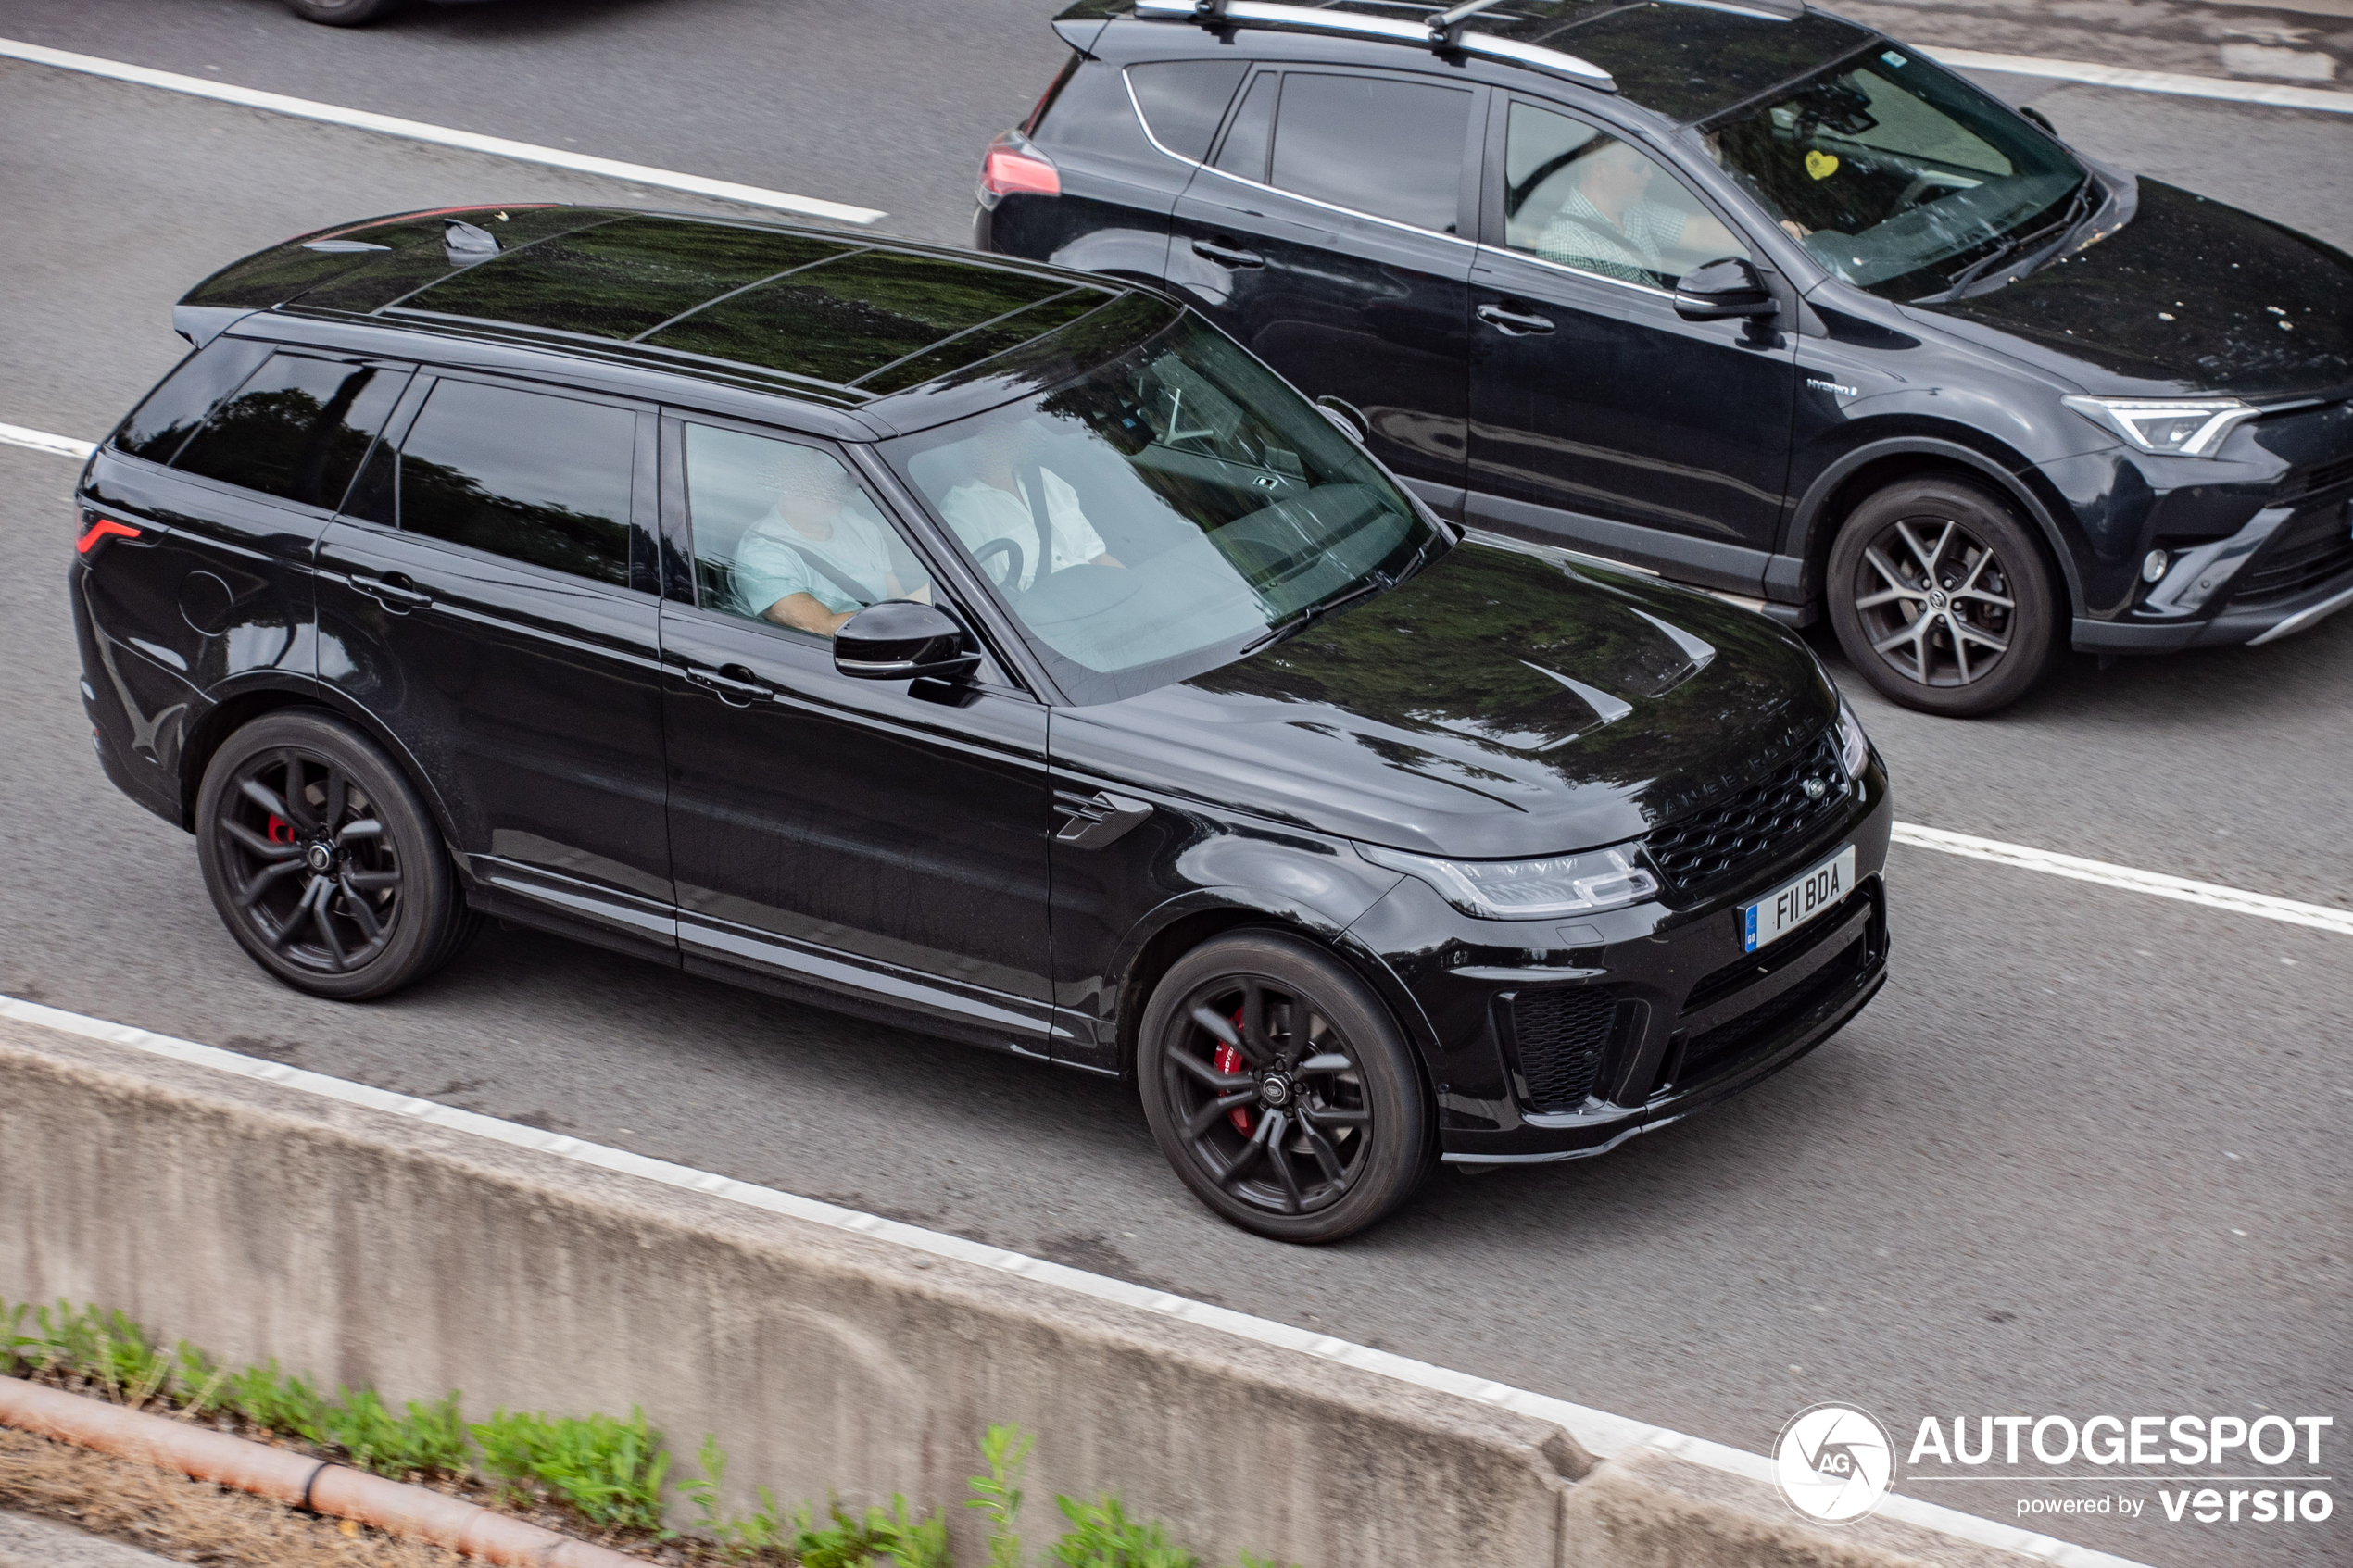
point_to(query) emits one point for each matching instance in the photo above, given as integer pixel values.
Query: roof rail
(1442, 32)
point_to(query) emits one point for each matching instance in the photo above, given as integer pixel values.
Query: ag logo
(1833, 1464)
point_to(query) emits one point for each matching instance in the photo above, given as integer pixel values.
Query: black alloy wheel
(343, 13)
(321, 861)
(1942, 597)
(1281, 1090)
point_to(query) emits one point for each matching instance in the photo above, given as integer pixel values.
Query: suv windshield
(1897, 174)
(1158, 516)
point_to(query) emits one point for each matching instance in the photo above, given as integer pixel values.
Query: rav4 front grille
(2306, 552)
(1712, 845)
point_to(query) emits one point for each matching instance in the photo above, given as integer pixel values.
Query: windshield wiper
(1314, 613)
(2012, 244)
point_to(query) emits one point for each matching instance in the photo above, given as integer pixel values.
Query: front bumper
(1558, 1040)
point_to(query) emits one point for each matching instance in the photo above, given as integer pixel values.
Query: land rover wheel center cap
(1274, 1089)
(320, 857)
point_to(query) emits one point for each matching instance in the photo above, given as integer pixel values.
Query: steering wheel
(1011, 582)
(1921, 184)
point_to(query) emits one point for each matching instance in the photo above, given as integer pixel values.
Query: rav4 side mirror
(900, 640)
(1722, 290)
(1347, 416)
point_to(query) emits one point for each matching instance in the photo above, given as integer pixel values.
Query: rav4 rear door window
(1379, 144)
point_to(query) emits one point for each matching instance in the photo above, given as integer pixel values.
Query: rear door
(487, 594)
(1329, 233)
(863, 841)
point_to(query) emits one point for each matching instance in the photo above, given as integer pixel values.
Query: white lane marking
(440, 135)
(42, 441)
(1599, 1432)
(2213, 896)
(2320, 917)
(2175, 82)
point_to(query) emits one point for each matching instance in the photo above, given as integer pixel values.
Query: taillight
(1014, 166)
(96, 529)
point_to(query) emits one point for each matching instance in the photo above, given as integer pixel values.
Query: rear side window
(297, 428)
(158, 428)
(536, 478)
(1244, 152)
(1391, 148)
(1183, 100)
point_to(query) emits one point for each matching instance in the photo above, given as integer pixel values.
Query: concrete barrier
(362, 1245)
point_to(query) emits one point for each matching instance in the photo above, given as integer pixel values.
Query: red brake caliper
(1229, 1060)
(280, 831)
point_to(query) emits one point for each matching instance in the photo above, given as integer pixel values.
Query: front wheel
(1281, 1089)
(1941, 597)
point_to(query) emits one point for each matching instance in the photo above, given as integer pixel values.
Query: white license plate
(1782, 911)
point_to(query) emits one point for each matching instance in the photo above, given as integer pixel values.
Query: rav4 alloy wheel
(1281, 1090)
(1941, 597)
(322, 863)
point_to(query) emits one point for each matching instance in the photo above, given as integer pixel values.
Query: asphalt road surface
(2086, 1154)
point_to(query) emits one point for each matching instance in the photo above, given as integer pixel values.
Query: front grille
(1562, 1035)
(1714, 843)
(2309, 551)
(1734, 1036)
(2319, 477)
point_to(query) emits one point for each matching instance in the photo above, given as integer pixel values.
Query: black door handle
(397, 591)
(732, 683)
(1227, 256)
(1512, 323)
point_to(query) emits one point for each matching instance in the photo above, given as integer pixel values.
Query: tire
(319, 898)
(343, 13)
(1300, 1133)
(1943, 596)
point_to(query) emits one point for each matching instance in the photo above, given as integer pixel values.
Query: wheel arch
(234, 712)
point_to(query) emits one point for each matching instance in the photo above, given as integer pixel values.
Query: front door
(1599, 417)
(1327, 233)
(487, 595)
(847, 838)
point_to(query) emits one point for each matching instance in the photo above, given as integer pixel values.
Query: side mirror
(1347, 416)
(1722, 290)
(2028, 112)
(900, 640)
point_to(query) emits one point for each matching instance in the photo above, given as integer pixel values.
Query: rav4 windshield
(1897, 174)
(1153, 518)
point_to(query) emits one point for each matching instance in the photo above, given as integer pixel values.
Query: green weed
(611, 1470)
(272, 1399)
(429, 1437)
(998, 1494)
(1101, 1536)
(892, 1537)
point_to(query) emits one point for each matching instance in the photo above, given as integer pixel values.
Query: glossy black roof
(1685, 61)
(817, 312)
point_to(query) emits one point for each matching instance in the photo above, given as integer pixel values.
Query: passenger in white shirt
(995, 504)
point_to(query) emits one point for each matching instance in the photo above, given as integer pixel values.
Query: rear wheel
(343, 13)
(322, 863)
(1281, 1090)
(1941, 597)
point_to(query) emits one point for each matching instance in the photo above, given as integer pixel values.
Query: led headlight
(1854, 746)
(1558, 885)
(2177, 427)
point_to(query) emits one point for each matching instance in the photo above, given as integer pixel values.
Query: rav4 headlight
(1854, 746)
(2176, 427)
(1558, 885)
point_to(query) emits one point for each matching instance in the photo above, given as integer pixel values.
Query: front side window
(527, 475)
(1374, 144)
(297, 429)
(1898, 175)
(785, 534)
(1155, 518)
(1575, 194)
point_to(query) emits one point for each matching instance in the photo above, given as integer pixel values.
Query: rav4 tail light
(1014, 166)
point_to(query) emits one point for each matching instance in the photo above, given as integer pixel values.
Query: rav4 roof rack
(1442, 32)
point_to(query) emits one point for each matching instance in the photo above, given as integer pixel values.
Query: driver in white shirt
(996, 504)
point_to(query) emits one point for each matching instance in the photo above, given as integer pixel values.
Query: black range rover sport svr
(1739, 290)
(964, 643)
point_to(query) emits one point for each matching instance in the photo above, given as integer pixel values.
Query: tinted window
(784, 533)
(1245, 150)
(175, 409)
(297, 429)
(1391, 148)
(1576, 194)
(522, 474)
(1183, 100)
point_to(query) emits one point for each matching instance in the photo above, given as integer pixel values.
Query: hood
(2191, 295)
(1508, 700)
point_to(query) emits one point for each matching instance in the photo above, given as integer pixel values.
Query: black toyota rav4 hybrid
(1742, 292)
(973, 644)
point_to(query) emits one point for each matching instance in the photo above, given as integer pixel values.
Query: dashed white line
(2130, 879)
(1601, 1433)
(440, 135)
(2181, 84)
